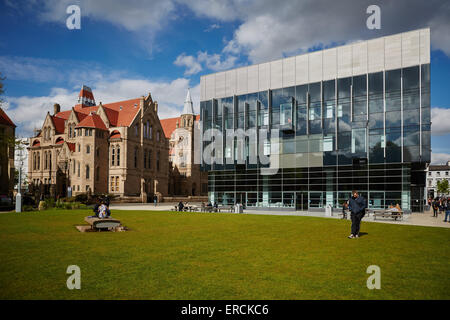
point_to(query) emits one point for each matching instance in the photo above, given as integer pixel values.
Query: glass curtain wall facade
(369, 132)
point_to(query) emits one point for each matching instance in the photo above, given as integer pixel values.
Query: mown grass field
(218, 256)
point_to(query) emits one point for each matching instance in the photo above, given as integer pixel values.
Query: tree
(442, 186)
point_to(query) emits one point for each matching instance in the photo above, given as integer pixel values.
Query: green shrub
(70, 199)
(28, 207)
(49, 203)
(82, 197)
(76, 205)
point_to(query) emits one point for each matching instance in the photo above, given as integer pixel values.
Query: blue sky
(125, 49)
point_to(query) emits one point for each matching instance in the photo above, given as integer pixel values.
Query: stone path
(417, 219)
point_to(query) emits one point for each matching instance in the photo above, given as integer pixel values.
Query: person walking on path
(435, 208)
(357, 206)
(447, 210)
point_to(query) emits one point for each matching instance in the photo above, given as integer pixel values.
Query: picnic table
(386, 213)
(102, 223)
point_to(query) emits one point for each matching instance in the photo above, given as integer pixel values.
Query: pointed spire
(188, 106)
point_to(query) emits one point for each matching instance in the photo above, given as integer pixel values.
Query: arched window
(39, 161)
(88, 149)
(151, 132)
(34, 160)
(148, 129)
(118, 156)
(87, 172)
(78, 173)
(113, 150)
(145, 130)
(74, 167)
(49, 160)
(45, 160)
(135, 157)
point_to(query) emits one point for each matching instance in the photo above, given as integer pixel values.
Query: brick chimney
(56, 108)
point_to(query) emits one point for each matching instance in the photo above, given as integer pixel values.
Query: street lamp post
(21, 158)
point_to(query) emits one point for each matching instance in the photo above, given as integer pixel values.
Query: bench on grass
(396, 215)
(102, 224)
(341, 214)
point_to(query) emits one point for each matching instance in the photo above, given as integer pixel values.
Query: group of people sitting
(101, 208)
(346, 208)
(395, 208)
(204, 207)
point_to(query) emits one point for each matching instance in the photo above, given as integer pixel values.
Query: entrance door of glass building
(301, 201)
(228, 198)
(241, 197)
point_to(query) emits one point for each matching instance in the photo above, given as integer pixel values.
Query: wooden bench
(388, 214)
(347, 214)
(226, 208)
(100, 224)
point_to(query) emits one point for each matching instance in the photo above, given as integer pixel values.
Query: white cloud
(212, 27)
(266, 29)
(29, 112)
(214, 62)
(439, 158)
(440, 121)
(270, 29)
(133, 15)
(191, 64)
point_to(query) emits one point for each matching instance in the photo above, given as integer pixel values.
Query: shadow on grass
(362, 234)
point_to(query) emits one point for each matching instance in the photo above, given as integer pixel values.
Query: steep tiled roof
(63, 114)
(4, 119)
(115, 135)
(71, 146)
(126, 111)
(58, 123)
(119, 114)
(92, 121)
(169, 125)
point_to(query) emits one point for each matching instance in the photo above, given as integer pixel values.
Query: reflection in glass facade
(368, 132)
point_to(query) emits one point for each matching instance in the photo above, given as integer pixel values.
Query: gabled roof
(59, 124)
(92, 121)
(169, 125)
(125, 110)
(4, 119)
(119, 114)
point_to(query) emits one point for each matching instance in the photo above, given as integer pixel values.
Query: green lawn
(219, 256)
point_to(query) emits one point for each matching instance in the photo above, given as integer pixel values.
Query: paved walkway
(417, 219)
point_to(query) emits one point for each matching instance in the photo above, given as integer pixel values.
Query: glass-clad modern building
(302, 132)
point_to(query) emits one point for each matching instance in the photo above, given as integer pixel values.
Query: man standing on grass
(357, 206)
